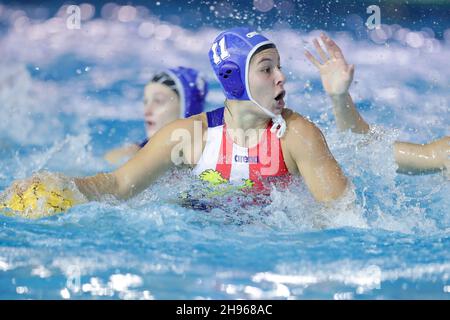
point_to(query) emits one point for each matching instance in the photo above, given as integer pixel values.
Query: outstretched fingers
(312, 59)
(333, 51)
(332, 47)
(319, 49)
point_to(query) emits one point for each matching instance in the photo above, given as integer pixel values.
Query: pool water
(68, 96)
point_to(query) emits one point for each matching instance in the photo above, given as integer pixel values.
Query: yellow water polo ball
(39, 200)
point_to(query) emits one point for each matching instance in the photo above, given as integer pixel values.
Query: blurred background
(96, 68)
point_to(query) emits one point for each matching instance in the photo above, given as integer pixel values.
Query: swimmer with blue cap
(337, 76)
(249, 140)
(172, 94)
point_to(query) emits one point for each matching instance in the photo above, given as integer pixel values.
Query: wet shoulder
(303, 138)
(300, 135)
(298, 125)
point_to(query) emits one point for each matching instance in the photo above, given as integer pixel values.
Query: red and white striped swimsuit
(237, 164)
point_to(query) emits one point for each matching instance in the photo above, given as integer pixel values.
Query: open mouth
(150, 123)
(280, 95)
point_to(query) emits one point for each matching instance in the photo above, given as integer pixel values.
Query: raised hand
(335, 73)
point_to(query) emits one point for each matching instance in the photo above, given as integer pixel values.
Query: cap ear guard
(230, 77)
(192, 88)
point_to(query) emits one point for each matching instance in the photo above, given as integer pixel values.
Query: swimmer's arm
(115, 156)
(346, 114)
(321, 172)
(140, 171)
(337, 76)
(412, 157)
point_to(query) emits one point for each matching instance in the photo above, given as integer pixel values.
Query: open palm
(335, 73)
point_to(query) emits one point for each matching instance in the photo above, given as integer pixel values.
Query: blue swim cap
(192, 89)
(230, 56)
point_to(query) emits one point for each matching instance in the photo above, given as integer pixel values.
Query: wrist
(338, 96)
(341, 101)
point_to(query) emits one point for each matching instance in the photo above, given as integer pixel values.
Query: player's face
(161, 106)
(266, 80)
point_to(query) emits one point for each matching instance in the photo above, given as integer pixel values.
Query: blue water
(66, 97)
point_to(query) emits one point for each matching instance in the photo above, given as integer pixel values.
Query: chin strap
(279, 124)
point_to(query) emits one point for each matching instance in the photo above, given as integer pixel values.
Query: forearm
(145, 167)
(125, 182)
(417, 157)
(94, 187)
(347, 116)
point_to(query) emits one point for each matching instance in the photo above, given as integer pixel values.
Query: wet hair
(167, 80)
